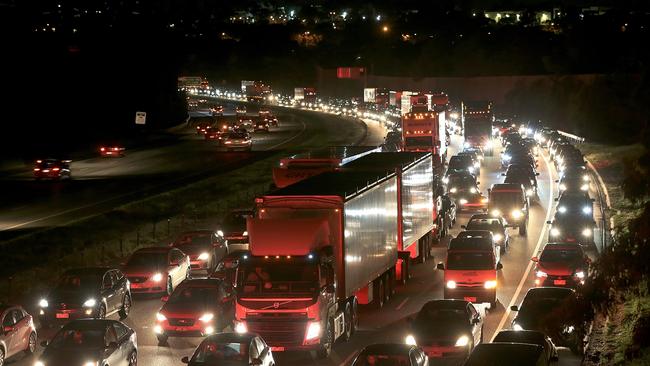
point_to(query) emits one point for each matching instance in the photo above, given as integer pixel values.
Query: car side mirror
(557, 181)
(478, 182)
(476, 320)
(164, 298)
(514, 308)
(185, 359)
(503, 174)
(256, 362)
(556, 199)
(592, 200)
(441, 266)
(534, 259)
(499, 266)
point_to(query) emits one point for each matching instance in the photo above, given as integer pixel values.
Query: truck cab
(509, 200)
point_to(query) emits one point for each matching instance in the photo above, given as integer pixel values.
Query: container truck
(297, 167)
(425, 131)
(318, 248)
(305, 95)
(418, 202)
(477, 125)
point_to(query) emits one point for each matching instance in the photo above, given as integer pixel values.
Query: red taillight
(102, 149)
(36, 169)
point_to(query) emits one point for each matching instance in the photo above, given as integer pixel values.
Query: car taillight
(55, 169)
(36, 169)
(102, 149)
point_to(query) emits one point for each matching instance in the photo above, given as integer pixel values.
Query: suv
(509, 201)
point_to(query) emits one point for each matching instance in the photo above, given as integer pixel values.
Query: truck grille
(279, 332)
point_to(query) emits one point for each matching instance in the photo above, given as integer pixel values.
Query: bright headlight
(488, 144)
(466, 145)
(39, 363)
(43, 303)
(506, 157)
(541, 274)
(561, 209)
(484, 200)
(555, 232)
(497, 237)
(204, 256)
(586, 210)
(586, 232)
(445, 180)
(529, 192)
(451, 284)
(517, 327)
(313, 331)
(219, 232)
(410, 340)
(462, 341)
(462, 201)
(490, 284)
(157, 277)
(477, 165)
(495, 213)
(90, 303)
(516, 214)
(240, 327)
(585, 178)
(245, 233)
(569, 329)
(580, 274)
(453, 190)
(563, 187)
(584, 187)
(472, 190)
(206, 317)
(90, 363)
(160, 317)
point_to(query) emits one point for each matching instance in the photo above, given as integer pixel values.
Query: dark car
(572, 229)
(447, 215)
(572, 183)
(52, 169)
(561, 264)
(93, 292)
(157, 269)
(232, 349)
(529, 337)
(496, 225)
(522, 177)
(227, 268)
(507, 354)
(461, 163)
(556, 312)
(112, 150)
(391, 354)
(271, 120)
(393, 141)
(574, 204)
(214, 134)
(261, 125)
(91, 342)
(203, 127)
(204, 247)
(233, 229)
(463, 188)
(475, 158)
(510, 202)
(197, 307)
(447, 329)
(237, 140)
(217, 110)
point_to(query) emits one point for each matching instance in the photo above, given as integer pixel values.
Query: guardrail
(572, 136)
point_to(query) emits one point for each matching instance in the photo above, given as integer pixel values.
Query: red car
(561, 265)
(198, 307)
(203, 128)
(52, 169)
(18, 332)
(112, 151)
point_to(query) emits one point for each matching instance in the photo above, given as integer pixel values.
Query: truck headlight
(451, 284)
(555, 232)
(206, 317)
(496, 213)
(204, 256)
(462, 341)
(497, 237)
(580, 274)
(490, 284)
(43, 303)
(516, 214)
(561, 209)
(90, 303)
(410, 340)
(586, 210)
(313, 331)
(160, 317)
(240, 327)
(157, 277)
(586, 232)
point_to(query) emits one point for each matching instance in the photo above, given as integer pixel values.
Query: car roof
(506, 354)
(484, 218)
(153, 250)
(520, 336)
(445, 304)
(230, 337)
(507, 187)
(388, 348)
(562, 246)
(201, 282)
(550, 291)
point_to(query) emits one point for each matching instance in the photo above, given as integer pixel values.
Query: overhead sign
(140, 118)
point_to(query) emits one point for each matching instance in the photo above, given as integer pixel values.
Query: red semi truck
(304, 165)
(477, 124)
(418, 202)
(318, 248)
(424, 130)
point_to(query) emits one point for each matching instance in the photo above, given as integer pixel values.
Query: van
(509, 201)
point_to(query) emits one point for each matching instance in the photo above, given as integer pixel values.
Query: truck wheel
(378, 296)
(326, 342)
(422, 258)
(348, 323)
(355, 316)
(391, 282)
(405, 271)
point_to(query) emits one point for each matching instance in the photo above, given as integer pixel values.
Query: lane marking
(401, 304)
(542, 235)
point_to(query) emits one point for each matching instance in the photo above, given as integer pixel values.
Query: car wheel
(101, 314)
(170, 286)
(326, 343)
(126, 307)
(31, 345)
(133, 359)
(2, 356)
(348, 323)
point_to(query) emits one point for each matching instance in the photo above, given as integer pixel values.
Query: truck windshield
(470, 260)
(478, 127)
(278, 277)
(419, 141)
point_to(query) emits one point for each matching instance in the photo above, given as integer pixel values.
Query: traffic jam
(342, 231)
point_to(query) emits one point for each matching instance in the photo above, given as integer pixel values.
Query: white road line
(401, 304)
(542, 235)
(348, 359)
(304, 127)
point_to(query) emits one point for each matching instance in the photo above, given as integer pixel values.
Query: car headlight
(157, 277)
(529, 192)
(462, 201)
(160, 317)
(313, 331)
(477, 165)
(580, 274)
(563, 187)
(410, 340)
(204, 256)
(158, 329)
(470, 169)
(584, 187)
(39, 363)
(516, 214)
(90, 363)
(206, 317)
(586, 232)
(488, 144)
(473, 190)
(245, 233)
(585, 178)
(462, 341)
(90, 303)
(490, 284)
(568, 329)
(586, 210)
(240, 327)
(555, 232)
(541, 274)
(484, 200)
(43, 303)
(561, 209)
(497, 237)
(445, 180)
(451, 284)
(219, 232)
(466, 145)
(453, 190)
(495, 213)
(516, 326)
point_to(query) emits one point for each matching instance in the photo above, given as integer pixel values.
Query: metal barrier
(572, 136)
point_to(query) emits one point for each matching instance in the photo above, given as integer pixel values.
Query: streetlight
(385, 28)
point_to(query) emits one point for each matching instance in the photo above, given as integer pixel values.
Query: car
(157, 269)
(90, 292)
(213, 134)
(523, 158)
(233, 229)
(507, 354)
(475, 157)
(460, 163)
(197, 307)
(523, 168)
(204, 247)
(561, 264)
(237, 140)
(18, 332)
(91, 342)
(391, 354)
(574, 204)
(231, 349)
(463, 189)
(476, 150)
(532, 145)
(261, 125)
(392, 141)
(529, 337)
(509, 201)
(475, 239)
(217, 110)
(203, 127)
(112, 150)
(271, 120)
(556, 312)
(240, 110)
(52, 169)
(245, 122)
(572, 183)
(572, 229)
(447, 329)
(496, 225)
(523, 178)
(227, 125)
(447, 215)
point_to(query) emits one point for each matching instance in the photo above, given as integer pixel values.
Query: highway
(390, 323)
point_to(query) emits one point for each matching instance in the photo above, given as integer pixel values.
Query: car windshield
(382, 360)
(506, 199)
(194, 295)
(277, 277)
(560, 255)
(491, 225)
(462, 181)
(212, 353)
(517, 178)
(147, 259)
(195, 239)
(459, 162)
(78, 338)
(77, 281)
(469, 260)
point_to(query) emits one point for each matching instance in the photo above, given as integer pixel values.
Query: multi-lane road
(390, 323)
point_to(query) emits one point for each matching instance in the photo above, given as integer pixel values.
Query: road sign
(140, 118)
